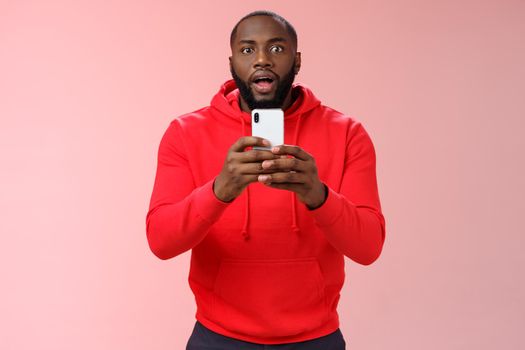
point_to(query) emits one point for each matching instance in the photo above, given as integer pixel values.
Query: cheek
(284, 63)
(242, 67)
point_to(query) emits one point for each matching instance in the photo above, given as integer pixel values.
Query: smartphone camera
(256, 117)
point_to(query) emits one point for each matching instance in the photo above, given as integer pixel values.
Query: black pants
(203, 338)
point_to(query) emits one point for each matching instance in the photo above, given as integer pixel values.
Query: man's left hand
(297, 174)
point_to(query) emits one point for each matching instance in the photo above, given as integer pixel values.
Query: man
(268, 229)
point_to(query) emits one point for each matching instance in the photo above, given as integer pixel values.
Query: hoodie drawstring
(245, 232)
(295, 228)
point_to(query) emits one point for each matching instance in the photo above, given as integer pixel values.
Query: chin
(265, 99)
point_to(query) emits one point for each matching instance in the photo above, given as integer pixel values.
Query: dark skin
(262, 43)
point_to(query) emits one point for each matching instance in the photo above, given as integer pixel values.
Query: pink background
(87, 89)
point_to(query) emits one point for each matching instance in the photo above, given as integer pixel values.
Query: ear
(297, 66)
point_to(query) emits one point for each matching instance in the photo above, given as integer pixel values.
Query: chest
(208, 147)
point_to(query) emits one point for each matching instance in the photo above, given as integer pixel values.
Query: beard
(283, 87)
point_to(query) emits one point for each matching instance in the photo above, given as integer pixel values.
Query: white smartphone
(268, 124)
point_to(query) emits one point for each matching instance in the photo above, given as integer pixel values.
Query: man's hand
(297, 174)
(241, 167)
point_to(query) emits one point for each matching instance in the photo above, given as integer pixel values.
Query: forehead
(260, 28)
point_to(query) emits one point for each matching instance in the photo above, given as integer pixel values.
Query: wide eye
(276, 49)
(246, 50)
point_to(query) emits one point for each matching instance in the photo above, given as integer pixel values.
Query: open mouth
(263, 85)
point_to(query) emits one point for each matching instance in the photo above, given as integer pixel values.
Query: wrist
(321, 199)
(220, 194)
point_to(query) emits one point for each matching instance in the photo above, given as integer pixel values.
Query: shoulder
(190, 119)
(340, 119)
(355, 133)
(179, 126)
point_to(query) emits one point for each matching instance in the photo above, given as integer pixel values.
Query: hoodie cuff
(330, 211)
(208, 206)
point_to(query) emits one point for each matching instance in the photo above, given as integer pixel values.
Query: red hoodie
(265, 268)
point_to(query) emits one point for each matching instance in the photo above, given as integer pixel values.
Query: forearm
(173, 228)
(356, 231)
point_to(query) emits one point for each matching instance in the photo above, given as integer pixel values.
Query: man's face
(264, 62)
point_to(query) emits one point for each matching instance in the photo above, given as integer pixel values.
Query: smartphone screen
(268, 124)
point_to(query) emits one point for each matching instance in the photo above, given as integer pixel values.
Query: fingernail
(275, 149)
(266, 142)
(263, 178)
(266, 164)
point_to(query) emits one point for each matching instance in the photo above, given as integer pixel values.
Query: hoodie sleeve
(351, 218)
(180, 214)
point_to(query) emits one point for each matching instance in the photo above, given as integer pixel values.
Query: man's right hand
(241, 167)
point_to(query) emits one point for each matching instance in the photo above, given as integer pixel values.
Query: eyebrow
(272, 40)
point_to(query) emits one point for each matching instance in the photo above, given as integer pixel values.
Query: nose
(262, 60)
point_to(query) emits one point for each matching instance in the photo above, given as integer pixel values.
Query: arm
(180, 214)
(351, 219)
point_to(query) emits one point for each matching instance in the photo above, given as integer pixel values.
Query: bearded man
(268, 230)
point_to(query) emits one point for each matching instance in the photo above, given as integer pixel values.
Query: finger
(253, 155)
(295, 151)
(285, 165)
(246, 179)
(249, 168)
(288, 177)
(247, 141)
(284, 186)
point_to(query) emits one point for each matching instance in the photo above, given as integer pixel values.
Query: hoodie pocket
(270, 297)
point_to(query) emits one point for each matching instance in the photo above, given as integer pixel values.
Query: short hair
(289, 28)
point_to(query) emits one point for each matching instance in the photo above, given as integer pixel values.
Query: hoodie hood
(226, 101)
